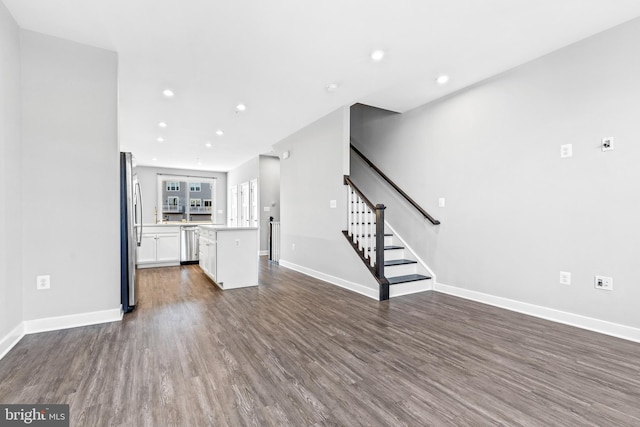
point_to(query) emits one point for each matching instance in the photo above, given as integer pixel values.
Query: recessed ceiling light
(154, 159)
(241, 107)
(199, 163)
(377, 55)
(208, 145)
(219, 132)
(160, 139)
(168, 93)
(162, 124)
(443, 79)
(332, 87)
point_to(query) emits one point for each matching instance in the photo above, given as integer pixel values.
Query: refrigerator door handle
(138, 218)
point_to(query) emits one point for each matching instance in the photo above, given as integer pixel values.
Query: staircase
(394, 266)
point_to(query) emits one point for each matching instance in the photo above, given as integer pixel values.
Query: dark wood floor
(300, 352)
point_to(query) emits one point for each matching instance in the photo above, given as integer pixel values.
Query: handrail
(395, 187)
(348, 181)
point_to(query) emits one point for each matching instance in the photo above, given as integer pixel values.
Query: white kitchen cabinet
(160, 247)
(229, 255)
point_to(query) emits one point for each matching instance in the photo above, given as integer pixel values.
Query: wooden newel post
(384, 284)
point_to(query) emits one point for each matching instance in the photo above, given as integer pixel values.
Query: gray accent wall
(269, 186)
(148, 179)
(309, 179)
(516, 213)
(69, 151)
(10, 176)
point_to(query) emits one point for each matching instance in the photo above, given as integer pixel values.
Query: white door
(168, 247)
(233, 206)
(245, 220)
(146, 252)
(253, 196)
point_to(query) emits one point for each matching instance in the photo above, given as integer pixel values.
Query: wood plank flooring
(297, 351)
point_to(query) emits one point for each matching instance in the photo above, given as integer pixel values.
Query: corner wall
(269, 184)
(516, 213)
(311, 231)
(70, 175)
(10, 182)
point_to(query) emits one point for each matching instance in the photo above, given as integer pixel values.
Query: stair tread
(369, 235)
(392, 262)
(389, 248)
(408, 278)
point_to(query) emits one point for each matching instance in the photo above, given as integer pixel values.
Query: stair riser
(393, 254)
(410, 288)
(400, 270)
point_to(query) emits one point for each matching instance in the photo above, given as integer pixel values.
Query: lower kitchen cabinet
(160, 247)
(229, 255)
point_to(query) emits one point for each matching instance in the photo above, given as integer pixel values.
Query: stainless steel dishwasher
(189, 237)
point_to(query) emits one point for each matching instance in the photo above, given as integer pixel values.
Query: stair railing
(365, 231)
(395, 187)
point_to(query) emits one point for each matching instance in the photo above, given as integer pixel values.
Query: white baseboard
(583, 322)
(11, 339)
(262, 253)
(352, 286)
(72, 321)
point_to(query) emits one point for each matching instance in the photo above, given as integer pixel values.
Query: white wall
(70, 150)
(309, 179)
(269, 184)
(10, 177)
(148, 179)
(516, 213)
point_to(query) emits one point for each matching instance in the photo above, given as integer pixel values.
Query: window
(173, 186)
(207, 203)
(196, 203)
(173, 201)
(195, 187)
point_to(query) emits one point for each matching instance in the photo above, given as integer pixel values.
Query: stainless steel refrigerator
(130, 231)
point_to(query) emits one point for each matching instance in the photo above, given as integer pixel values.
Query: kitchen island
(229, 255)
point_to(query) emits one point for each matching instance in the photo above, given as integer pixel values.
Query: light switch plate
(333, 204)
(441, 202)
(566, 150)
(565, 278)
(607, 144)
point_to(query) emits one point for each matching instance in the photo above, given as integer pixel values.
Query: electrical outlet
(565, 278)
(441, 202)
(607, 144)
(293, 246)
(566, 150)
(604, 283)
(43, 282)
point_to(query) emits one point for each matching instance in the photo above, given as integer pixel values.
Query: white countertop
(179, 224)
(225, 228)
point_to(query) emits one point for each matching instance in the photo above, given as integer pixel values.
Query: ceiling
(278, 56)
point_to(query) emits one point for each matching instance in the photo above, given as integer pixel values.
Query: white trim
(261, 253)
(352, 286)
(579, 321)
(11, 339)
(408, 288)
(414, 253)
(72, 321)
